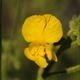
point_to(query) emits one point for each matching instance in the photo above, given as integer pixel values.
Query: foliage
(74, 31)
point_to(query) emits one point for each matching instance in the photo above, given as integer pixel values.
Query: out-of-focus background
(14, 65)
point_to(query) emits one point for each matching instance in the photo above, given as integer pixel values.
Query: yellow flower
(41, 30)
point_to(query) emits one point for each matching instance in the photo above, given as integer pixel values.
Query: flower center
(37, 49)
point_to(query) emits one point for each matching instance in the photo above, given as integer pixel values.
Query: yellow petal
(40, 61)
(36, 48)
(48, 52)
(32, 28)
(44, 28)
(41, 51)
(54, 57)
(28, 54)
(53, 29)
(33, 47)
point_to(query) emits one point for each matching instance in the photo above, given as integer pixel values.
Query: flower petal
(45, 28)
(33, 47)
(48, 52)
(28, 54)
(40, 61)
(54, 57)
(32, 28)
(36, 48)
(41, 51)
(53, 29)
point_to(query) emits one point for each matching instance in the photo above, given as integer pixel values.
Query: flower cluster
(74, 31)
(40, 31)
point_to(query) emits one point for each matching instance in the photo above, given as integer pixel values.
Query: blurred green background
(14, 65)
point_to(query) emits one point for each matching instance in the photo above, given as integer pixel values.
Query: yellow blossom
(40, 31)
